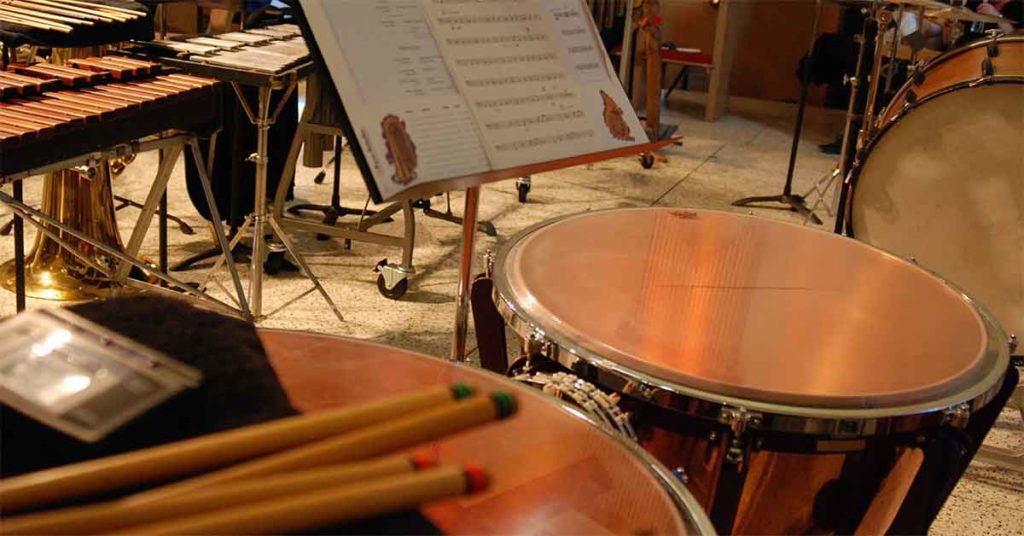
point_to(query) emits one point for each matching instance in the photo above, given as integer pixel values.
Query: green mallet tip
(462, 390)
(505, 402)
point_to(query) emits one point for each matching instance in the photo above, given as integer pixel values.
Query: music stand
(789, 200)
(368, 120)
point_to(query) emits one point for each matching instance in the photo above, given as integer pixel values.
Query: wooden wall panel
(771, 38)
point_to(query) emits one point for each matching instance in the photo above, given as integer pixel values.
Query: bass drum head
(944, 185)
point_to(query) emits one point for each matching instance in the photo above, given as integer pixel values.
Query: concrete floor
(744, 153)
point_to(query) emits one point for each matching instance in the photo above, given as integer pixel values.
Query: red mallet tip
(476, 479)
(422, 461)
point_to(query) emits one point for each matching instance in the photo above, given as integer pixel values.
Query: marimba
(55, 117)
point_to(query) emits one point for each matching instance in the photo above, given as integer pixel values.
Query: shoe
(833, 147)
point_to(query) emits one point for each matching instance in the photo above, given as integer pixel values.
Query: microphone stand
(791, 201)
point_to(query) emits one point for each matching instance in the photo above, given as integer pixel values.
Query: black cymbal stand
(791, 201)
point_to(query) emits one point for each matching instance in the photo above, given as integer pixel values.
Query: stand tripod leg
(469, 218)
(259, 244)
(156, 192)
(234, 247)
(124, 202)
(162, 232)
(218, 231)
(792, 202)
(821, 189)
(19, 251)
(334, 210)
(279, 232)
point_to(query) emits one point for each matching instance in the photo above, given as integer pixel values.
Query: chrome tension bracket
(739, 420)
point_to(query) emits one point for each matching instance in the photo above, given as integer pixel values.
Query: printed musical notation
(439, 89)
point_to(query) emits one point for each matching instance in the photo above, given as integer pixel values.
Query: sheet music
(439, 89)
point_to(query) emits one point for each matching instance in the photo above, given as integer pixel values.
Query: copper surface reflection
(551, 472)
(747, 307)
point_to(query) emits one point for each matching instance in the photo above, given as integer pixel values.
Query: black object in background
(234, 176)
(239, 387)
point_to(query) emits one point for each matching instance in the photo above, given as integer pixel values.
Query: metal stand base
(124, 202)
(791, 202)
(484, 227)
(263, 118)
(240, 253)
(820, 191)
(333, 212)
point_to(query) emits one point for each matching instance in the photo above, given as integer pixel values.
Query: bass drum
(943, 182)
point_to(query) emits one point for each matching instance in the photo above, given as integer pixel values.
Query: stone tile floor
(744, 153)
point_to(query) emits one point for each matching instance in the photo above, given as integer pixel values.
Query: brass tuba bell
(87, 205)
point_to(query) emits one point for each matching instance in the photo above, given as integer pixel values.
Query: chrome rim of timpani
(689, 508)
(699, 311)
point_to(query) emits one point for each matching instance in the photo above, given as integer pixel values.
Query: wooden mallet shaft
(388, 436)
(328, 506)
(208, 452)
(109, 516)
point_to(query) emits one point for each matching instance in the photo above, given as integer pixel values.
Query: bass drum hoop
(946, 56)
(706, 405)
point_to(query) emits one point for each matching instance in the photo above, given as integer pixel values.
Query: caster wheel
(348, 244)
(647, 160)
(322, 237)
(524, 190)
(319, 179)
(393, 293)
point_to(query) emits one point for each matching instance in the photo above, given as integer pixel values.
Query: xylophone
(77, 116)
(269, 50)
(50, 113)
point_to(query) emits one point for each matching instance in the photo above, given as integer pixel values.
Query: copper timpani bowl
(552, 470)
(696, 311)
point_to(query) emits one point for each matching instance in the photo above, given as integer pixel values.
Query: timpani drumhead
(552, 470)
(944, 184)
(746, 308)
